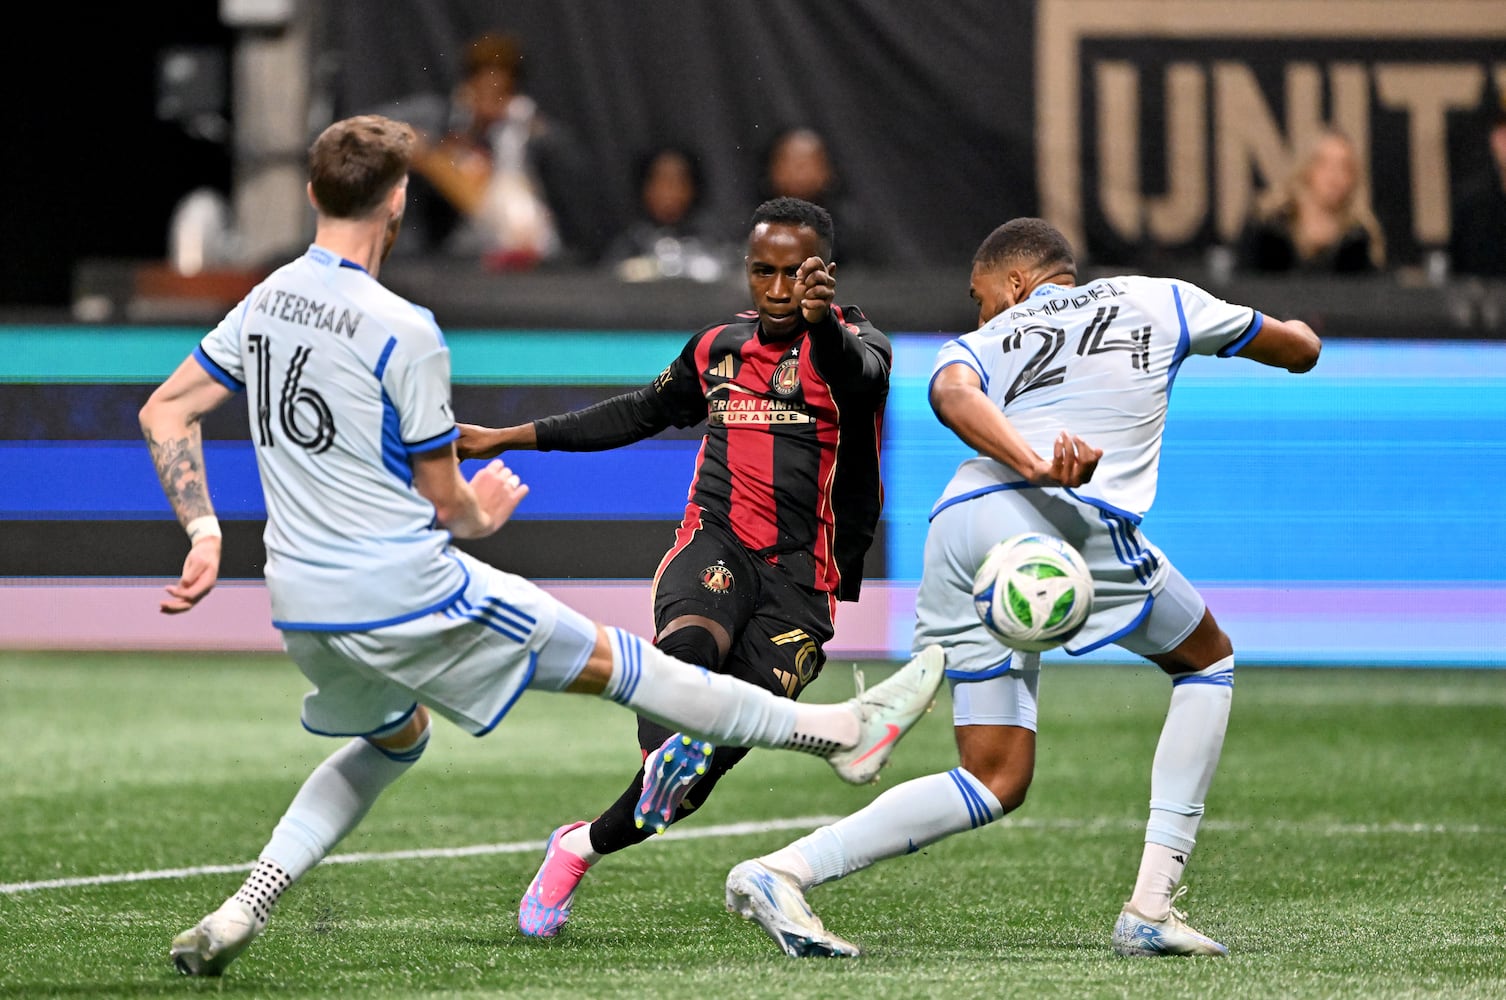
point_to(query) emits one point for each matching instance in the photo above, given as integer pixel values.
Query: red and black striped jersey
(790, 459)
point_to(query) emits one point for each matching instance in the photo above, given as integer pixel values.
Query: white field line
(741, 829)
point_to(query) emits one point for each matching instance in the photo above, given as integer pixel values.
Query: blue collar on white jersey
(322, 256)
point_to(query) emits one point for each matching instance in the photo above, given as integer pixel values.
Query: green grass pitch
(1355, 846)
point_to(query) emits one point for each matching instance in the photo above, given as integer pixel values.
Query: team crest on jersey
(786, 380)
(717, 578)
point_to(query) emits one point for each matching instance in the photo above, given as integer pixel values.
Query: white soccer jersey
(1097, 360)
(345, 380)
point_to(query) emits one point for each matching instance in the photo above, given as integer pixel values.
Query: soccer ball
(1033, 592)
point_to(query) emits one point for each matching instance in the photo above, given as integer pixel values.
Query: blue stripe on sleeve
(429, 444)
(216, 372)
(1238, 343)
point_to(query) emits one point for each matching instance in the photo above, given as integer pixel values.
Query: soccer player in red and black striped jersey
(782, 509)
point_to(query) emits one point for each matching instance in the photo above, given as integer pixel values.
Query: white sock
(901, 821)
(332, 801)
(1186, 757)
(719, 708)
(578, 842)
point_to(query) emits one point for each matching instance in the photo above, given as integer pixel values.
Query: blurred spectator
(495, 177)
(1318, 222)
(670, 237)
(799, 164)
(1477, 242)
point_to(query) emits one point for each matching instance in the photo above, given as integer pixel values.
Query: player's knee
(406, 744)
(1207, 646)
(693, 644)
(1008, 781)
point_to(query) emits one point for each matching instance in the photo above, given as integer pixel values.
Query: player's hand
(478, 442)
(201, 571)
(1073, 462)
(498, 490)
(815, 288)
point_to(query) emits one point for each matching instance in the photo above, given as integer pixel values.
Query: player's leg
(704, 591)
(994, 710)
(856, 737)
(995, 721)
(1200, 660)
(720, 607)
(781, 629)
(575, 847)
(330, 803)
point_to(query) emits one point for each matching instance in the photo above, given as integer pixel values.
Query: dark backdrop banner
(1145, 128)
(927, 107)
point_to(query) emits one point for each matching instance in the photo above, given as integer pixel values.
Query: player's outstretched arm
(170, 422)
(959, 401)
(472, 509)
(1284, 343)
(489, 442)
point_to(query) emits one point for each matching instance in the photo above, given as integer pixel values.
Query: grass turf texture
(1355, 847)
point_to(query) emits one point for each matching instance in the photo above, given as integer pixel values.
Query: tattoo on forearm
(180, 467)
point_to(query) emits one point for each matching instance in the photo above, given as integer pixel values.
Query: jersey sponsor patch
(755, 410)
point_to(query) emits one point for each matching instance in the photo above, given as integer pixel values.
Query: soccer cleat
(886, 712)
(1137, 935)
(669, 773)
(545, 907)
(208, 947)
(757, 892)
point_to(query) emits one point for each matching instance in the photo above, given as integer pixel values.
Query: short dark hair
(356, 162)
(494, 51)
(1033, 243)
(643, 165)
(795, 212)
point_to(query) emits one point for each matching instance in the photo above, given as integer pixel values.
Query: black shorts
(778, 626)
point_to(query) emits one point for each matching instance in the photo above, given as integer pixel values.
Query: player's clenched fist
(815, 287)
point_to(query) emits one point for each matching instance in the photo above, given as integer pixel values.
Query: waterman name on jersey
(294, 308)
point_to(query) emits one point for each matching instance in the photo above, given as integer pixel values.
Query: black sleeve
(608, 424)
(850, 351)
(674, 398)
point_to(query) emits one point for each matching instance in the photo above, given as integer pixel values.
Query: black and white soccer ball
(1033, 591)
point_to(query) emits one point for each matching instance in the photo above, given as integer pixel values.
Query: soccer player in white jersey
(1062, 390)
(348, 389)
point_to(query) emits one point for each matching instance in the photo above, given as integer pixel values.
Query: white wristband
(207, 526)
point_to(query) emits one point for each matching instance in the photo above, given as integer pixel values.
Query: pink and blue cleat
(669, 773)
(545, 907)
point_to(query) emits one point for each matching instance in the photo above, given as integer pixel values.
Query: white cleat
(886, 712)
(769, 897)
(1137, 935)
(207, 948)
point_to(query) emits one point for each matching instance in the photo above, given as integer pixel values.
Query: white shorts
(1140, 601)
(469, 662)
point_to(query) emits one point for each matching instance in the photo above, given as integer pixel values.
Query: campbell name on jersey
(344, 381)
(1097, 360)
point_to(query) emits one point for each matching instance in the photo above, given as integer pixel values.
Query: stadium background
(1337, 518)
